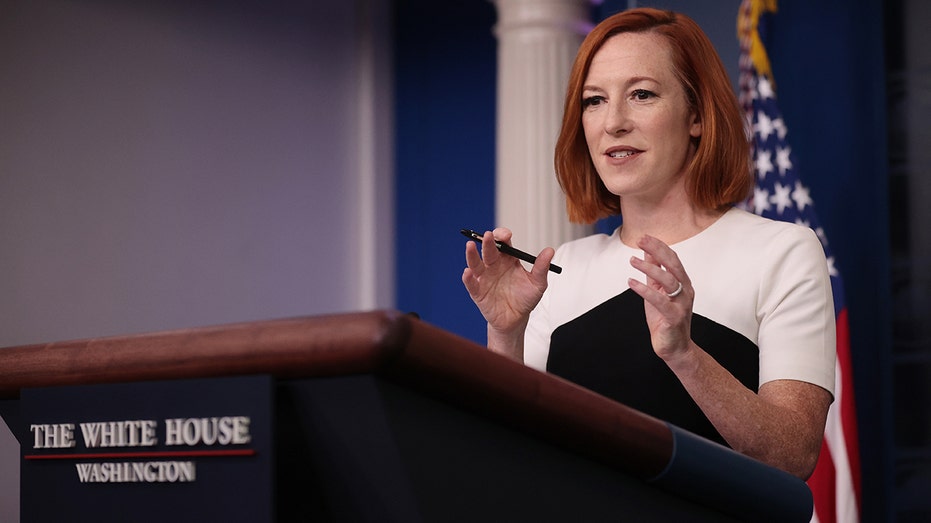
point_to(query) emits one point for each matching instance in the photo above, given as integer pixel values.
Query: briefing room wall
(169, 164)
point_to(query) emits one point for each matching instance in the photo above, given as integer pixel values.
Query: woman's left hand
(668, 306)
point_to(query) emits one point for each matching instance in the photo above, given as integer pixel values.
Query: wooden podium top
(386, 343)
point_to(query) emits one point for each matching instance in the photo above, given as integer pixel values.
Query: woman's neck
(670, 222)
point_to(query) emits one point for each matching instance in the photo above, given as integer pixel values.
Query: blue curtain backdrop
(828, 61)
(445, 166)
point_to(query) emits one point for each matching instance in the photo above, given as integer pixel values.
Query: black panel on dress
(608, 351)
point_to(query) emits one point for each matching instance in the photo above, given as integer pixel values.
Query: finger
(490, 253)
(655, 267)
(657, 298)
(470, 282)
(502, 234)
(474, 259)
(664, 256)
(657, 277)
(649, 294)
(541, 267)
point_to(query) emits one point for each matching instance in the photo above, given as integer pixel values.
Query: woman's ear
(695, 125)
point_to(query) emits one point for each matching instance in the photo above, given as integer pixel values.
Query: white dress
(763, 309)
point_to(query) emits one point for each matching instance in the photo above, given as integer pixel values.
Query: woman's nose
(617, 120)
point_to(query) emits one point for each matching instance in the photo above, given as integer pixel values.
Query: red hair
(718, 175)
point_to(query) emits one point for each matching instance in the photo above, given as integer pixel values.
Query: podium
(372, 416)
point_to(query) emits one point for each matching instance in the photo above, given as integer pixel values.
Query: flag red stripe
(146, 454)
(822, 484)
(848, 406)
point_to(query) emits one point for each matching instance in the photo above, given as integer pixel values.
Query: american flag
(780, 194)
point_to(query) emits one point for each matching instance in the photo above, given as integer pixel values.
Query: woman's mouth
(621, 154)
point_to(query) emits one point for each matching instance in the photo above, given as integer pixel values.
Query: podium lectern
(372, 416)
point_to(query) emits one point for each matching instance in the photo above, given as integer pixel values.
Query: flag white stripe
(845, 495)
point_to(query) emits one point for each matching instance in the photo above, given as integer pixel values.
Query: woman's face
(637, 121)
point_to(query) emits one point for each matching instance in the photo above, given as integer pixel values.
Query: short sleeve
(797, 337)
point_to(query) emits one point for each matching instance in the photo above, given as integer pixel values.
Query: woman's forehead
(633, 54)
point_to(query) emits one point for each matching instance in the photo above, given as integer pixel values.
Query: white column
(537, 42)
(372, 269)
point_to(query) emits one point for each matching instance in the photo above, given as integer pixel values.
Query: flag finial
(749, 35)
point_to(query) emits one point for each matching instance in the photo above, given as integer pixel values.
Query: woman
(737, 309)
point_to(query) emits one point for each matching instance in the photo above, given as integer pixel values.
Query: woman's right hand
(503, 290)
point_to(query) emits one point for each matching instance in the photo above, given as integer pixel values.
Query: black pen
(507, 249)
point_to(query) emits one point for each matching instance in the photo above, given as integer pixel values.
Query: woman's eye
(642, 94)
(592, 101)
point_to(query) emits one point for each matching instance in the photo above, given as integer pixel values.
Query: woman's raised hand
(503, 290)
(667, 295)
